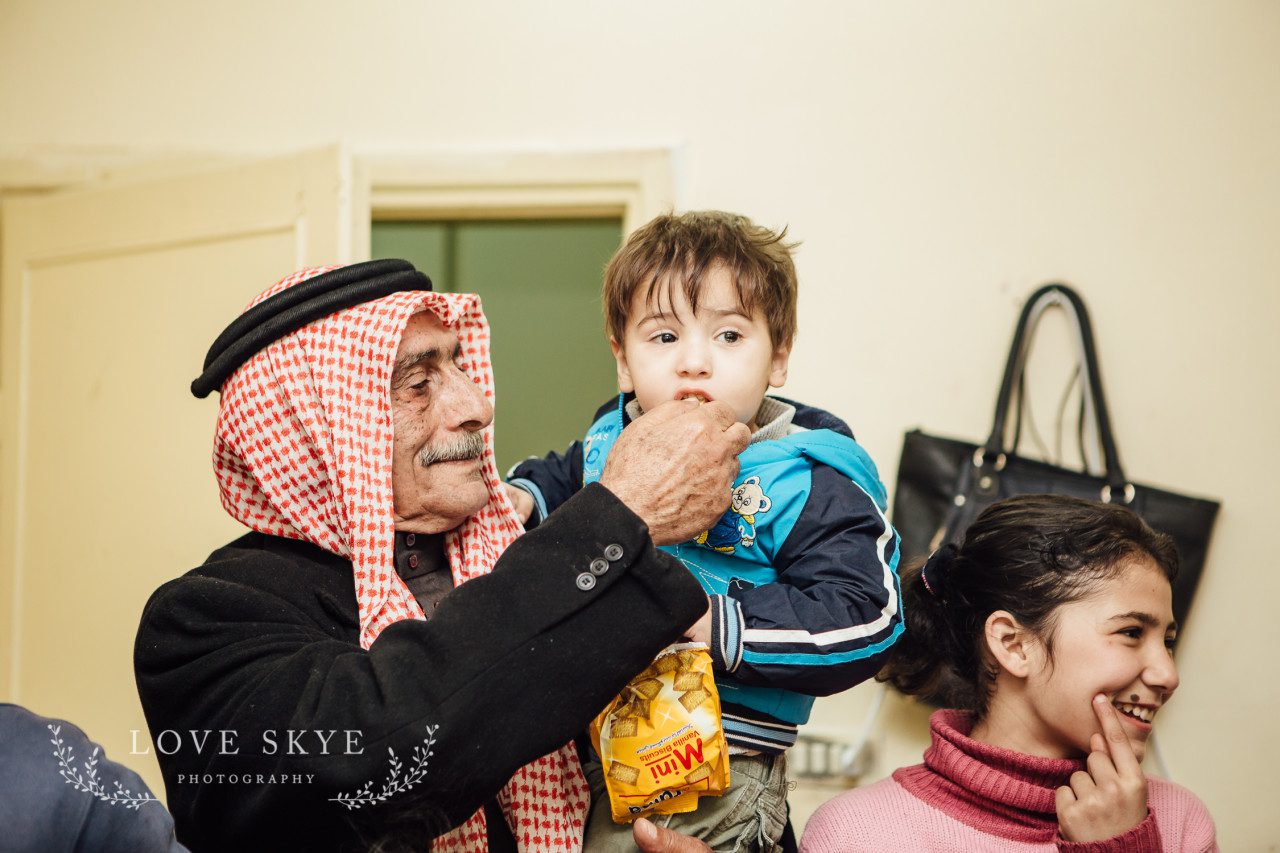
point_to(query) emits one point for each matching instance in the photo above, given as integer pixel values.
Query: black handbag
(943, 483)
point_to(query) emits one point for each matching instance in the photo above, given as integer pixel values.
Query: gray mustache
(470, 447)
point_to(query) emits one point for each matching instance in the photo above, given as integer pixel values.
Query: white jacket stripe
(855, 632)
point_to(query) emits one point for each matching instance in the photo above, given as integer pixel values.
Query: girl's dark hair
(1027, 555)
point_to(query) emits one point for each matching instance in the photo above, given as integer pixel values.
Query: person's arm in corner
(49, 802)
(829, 620)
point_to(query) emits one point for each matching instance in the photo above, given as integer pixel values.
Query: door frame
(633, 185)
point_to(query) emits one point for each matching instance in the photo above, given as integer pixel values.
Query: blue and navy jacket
(801, 571)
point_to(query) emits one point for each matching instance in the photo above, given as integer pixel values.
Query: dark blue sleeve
(551, 480)
(61, 792)
(554, 478)
(828, 621)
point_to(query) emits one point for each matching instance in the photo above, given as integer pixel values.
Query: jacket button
(598, 567)
(586, 582)
(613, 553)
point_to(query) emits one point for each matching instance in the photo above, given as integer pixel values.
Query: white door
(109, 299)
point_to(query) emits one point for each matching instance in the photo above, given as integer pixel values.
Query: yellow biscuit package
(660, 740)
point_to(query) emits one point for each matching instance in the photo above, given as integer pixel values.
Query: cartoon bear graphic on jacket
(738, 525)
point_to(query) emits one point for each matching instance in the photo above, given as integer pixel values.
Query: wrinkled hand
(521, 500)
(674, 467)
(1111, 797)
(656, 839)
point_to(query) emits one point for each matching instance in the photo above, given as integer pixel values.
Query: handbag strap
(1090, 447)
(1062, 296)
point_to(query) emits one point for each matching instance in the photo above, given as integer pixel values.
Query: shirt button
(613, 553)
(410, 539)
(413, 561)
(586, 582)
(599, 567)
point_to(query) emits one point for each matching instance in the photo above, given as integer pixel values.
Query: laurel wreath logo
(88, 780)
(398, 779)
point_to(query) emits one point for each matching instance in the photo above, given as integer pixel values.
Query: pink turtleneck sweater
(975, 797)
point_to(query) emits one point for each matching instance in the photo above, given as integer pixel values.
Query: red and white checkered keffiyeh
(303, 450)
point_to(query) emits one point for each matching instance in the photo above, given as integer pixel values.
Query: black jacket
(262, 640)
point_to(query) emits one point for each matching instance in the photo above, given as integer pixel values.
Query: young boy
(801, 570)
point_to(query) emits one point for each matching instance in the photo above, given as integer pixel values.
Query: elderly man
(320, 683)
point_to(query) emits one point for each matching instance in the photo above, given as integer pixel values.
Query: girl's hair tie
(937, 568)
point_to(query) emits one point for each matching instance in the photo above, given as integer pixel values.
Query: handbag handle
(1063, 296)
(1090, 450)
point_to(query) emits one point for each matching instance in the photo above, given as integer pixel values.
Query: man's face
(437, 414)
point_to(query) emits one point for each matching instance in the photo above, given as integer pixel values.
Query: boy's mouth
(1141, 713)
(693, 394)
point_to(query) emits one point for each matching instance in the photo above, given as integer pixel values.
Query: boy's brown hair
(683, 248)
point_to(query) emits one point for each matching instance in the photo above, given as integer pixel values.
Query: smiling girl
(1049, 632)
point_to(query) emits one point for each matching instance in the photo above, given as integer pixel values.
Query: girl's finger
(1064, 798)
(1082, 784)
(1097, 743)
(1117, 742)
(1100, 767)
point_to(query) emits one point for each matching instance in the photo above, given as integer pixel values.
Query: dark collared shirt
(421, 564)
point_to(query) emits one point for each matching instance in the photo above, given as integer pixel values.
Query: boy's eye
(664, 338)
(730, 336)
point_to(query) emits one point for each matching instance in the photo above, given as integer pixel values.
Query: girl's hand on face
(1110, 798)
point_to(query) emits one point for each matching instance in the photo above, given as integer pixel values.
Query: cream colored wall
(938, 160)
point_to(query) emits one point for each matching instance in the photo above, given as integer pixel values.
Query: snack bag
(660, 740)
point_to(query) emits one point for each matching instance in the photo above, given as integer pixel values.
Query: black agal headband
(296, 306)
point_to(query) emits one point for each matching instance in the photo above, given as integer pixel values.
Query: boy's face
(718, 353)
